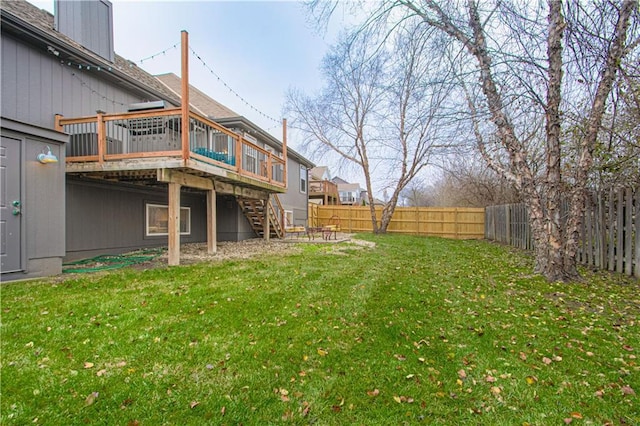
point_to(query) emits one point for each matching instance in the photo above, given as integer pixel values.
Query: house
(321, 189)
(295, 201)
(102, 157)
(350, 193)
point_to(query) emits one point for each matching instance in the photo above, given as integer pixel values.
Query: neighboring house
(321, 189)
(135, 168)
(350, 193)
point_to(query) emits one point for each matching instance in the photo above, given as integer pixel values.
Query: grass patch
(412, 330)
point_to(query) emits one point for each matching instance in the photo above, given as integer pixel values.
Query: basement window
(157, 220)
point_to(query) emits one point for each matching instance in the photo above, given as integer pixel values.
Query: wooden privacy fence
(453, 222)
(610, 234)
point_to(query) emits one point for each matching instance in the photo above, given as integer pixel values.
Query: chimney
(87, 22)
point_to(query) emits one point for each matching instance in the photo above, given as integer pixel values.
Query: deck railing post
(56, 123)
(102, 137)
(185, 95)
(269, 168)
(239, 153)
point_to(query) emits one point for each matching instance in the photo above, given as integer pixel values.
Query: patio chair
(333, 227)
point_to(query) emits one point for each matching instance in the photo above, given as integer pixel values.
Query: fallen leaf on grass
(400, 399)
(546, 360)
(576, 415)
(374, 392)
(91, 398)
(305, 410)
(628, 390)
(531, 379)
(127, 402)
(223, 410)
(322, 352)
(462, 374)
(193, 404)
(101, 372)
(288, 415)
(88, 365)
(490, 379)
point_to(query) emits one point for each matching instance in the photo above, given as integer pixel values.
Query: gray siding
(87, 22)
(36, 86)
(110, 218)
(42, 193)
(294, 200)
(232, 224)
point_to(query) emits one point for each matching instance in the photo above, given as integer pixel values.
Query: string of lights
(90, 67)
(72, 69)
(162, 52)
(224, 83)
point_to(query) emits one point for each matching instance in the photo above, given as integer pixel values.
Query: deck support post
(212, 224)
(266, 222)
(174, 224)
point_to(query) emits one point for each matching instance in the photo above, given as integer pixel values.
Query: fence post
(612, 227)
(620, 232)
(455, 223)
(628, 227)
(508, 222)
(637, 233)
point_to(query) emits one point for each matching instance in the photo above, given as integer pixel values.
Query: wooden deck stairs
(253, 210)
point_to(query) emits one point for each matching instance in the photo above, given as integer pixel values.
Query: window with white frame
(288, 219)
(303, 179)
(157, 220)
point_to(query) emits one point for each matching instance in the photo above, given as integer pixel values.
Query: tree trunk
(388, 210)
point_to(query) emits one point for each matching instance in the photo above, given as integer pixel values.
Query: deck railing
(323, 187)
(112, 137)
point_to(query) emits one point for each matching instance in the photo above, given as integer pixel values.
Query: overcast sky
(258, 48)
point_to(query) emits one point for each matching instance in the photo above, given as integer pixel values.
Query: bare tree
(467, 182)
(418, 194)
(529, 72)
(378, 110)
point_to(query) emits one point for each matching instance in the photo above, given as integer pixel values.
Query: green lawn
(413, 330)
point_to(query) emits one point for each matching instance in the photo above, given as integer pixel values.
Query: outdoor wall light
(47, 157)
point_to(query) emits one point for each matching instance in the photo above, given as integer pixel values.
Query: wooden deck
(136, 147)
(324, 190)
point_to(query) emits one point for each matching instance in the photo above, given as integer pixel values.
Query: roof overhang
(36, 36)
